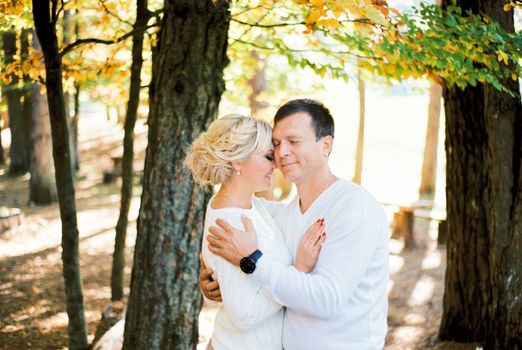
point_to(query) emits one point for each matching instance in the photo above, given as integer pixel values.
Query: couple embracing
(311, 274)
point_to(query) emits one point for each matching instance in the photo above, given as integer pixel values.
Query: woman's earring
(238, 172)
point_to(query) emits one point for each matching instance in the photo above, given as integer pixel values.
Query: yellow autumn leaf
(514, 77)
(7, 79)
(507, 7)
(314, 15)
(332, 23)
(502, 56)
(375, 16)
(317, 3)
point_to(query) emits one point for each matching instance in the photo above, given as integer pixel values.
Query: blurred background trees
(190, 56)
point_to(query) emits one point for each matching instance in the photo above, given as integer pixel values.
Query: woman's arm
(247, 303)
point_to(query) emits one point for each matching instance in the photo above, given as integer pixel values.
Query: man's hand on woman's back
(208, 286)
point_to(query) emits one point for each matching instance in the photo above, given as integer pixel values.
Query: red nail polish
(324, 234)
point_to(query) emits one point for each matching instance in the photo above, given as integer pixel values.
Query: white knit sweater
(249, 318)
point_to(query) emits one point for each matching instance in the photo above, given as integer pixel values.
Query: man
(342, 302)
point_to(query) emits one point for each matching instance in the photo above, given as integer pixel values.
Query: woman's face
(257, 170)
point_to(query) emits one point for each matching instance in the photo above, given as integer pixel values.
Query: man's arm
(342, 264)
(344, 259)
(233, 244)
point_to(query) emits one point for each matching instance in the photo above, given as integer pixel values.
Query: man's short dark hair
(322, 120)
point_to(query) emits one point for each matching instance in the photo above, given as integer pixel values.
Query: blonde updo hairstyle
(232, 138)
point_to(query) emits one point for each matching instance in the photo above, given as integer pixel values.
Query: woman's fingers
(315, 229)
(320, 240)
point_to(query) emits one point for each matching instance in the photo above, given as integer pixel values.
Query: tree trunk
(258, 85)
(482, 300)
(42, 186)
(187, 85)
(19, 149)
(76, 117)
(429, 161)
(69, 98)
(75, 148)
(357, 177)
(26, 90)
(46, 32)
(118, 262)
(2, 158)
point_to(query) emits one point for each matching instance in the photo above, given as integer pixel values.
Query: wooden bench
(9, 218)
(404, 219)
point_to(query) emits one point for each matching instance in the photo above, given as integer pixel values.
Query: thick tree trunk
(42, 186)
(484, 204)
(429, 161)
(19, 149)
(165, 300)
(46, 31)
(127, 174)
(357, 176)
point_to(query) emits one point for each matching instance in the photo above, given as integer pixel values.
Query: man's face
(297, 152)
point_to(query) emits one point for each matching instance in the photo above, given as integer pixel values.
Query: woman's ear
(236, 168)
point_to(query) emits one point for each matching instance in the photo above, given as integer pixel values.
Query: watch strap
(256, 255)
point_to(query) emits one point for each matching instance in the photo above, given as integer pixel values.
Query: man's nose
(282, 150)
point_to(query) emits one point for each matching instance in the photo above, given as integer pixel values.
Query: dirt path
(32, 310)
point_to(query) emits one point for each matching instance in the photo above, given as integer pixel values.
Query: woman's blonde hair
(233, 138)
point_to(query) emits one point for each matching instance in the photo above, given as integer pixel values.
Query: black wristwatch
(248, 263)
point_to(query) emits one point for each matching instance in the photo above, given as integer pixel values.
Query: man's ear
(327, 145)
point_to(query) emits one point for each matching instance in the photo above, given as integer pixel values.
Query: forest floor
(32, 308)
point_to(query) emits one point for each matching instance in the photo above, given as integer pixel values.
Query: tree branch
(113, 14)
(247, 10)
(267, 25)
(359, 20)
(80, 42)
(286, 48)
(155, 13)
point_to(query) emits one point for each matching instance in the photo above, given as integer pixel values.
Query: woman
(237, 152)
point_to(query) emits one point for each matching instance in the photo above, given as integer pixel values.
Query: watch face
(247, 265)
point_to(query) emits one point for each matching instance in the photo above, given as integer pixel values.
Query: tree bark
(429, 161)
(69, 98)
(26, 90)
(357, 177)
(42, 186)
(19, 149)
(2, 157)
(118, 260)
(45, 24)
(76, 117)
(482, 300)
(187, 85)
